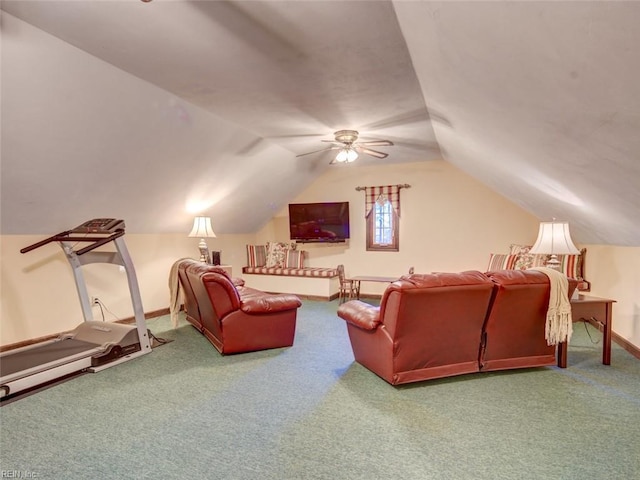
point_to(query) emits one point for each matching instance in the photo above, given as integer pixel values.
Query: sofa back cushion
(515, 327)
(215, 293)
(436, 319)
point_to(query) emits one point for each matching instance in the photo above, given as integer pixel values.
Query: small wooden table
(598, 312)
(370, 278)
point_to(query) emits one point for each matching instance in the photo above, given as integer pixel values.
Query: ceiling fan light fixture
(346, 155)
(348, 147)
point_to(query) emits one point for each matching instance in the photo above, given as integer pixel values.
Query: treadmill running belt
(33, 357)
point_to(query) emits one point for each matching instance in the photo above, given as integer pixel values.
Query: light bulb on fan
(347, 155)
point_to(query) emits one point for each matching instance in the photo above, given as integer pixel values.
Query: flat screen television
(319, 222)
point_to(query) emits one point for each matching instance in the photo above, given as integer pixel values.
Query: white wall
(614, 273)
(38, 294)
(449, 221)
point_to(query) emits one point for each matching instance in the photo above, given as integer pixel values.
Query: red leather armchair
(427, 326)
(232, 317)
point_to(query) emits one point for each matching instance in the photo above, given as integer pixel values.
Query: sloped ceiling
(539, 100)
(543, 104)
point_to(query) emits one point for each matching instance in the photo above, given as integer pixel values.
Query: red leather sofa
(443, 324)
(235, 318)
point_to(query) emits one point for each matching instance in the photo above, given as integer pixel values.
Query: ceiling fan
(348, 146)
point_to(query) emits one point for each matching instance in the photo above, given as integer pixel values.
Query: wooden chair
(349, 289)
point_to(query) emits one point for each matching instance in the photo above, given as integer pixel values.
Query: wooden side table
(370, 278)
(597, 311)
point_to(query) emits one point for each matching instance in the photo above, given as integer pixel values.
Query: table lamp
(202, 228)
(554, 239)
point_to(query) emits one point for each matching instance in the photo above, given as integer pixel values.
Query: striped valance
(381, 195)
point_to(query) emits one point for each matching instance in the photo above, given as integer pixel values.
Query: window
(382, 228)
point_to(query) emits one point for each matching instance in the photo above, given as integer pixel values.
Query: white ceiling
(538, 100)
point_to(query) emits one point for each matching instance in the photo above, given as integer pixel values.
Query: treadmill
(93, 345)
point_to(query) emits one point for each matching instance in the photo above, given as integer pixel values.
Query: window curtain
(380, 195)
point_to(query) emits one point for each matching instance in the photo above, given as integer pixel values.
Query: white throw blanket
(559, 326)
(174, 292)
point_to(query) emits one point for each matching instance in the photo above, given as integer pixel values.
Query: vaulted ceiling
(538, 100)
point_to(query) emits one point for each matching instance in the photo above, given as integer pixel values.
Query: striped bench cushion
(293, 272)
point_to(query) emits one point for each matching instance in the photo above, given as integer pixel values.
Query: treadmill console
(100, 225)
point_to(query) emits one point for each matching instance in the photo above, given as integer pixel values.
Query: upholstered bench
(279, 267)
(321, 283)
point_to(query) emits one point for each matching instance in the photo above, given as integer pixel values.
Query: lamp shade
(202, 228)
(554, 239)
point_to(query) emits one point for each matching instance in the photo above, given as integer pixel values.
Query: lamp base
(204, 251)
(553, 262)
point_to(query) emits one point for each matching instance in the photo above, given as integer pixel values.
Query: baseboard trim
(624, 343)
(317, 297)
(309, 297)
(374, 296)
(33, 341)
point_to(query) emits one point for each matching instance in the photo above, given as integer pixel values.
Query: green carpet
(310, 412)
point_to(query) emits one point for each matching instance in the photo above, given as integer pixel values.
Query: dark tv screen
(319, 222)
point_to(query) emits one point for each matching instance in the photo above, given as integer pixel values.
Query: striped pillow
(572, 265)
(256, 255)
(294, 258)
(499, 261)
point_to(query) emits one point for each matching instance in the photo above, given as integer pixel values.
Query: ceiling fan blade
(418, 145)
(317, 151)
(373, 153)
(297, 135)
(377, 143)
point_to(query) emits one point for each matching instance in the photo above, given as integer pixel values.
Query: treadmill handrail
(54, 238)
(64, 237)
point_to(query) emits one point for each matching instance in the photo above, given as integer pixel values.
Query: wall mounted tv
(319, 222)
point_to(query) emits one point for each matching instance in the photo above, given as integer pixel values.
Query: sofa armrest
(265, 303)
(360, 314)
